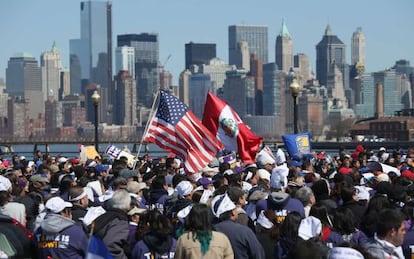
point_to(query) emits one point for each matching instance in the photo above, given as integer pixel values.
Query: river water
(72, 150)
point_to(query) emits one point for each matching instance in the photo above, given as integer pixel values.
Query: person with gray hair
(306, 196)
(112, 226)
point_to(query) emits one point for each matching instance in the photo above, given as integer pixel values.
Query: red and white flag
(224, 122)
(176, 129)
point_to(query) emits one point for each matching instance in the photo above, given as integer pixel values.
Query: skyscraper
(23, 81)
(125, 60)
(146, 47)
(256, 71)
(243, 56)
(239, 92)
(199, 53)
(301, 67)
(284, 49)
(392, 95)
(217, 69)
(22, 73)
(330, 50)
(199, 85)
(50, 63)
(125, 102)
(91, 55)
(358, 47)
(256, 38)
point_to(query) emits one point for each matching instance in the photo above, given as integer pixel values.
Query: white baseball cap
(57, 204)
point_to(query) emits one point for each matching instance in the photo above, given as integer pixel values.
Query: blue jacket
(159, 248)
(242, 239)
(60, 237)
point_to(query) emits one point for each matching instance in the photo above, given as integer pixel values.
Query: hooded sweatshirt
(154, 246)
(60, 237)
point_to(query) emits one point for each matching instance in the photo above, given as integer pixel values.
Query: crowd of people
(353, 205)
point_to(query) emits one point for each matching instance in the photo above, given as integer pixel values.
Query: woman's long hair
(199, 223)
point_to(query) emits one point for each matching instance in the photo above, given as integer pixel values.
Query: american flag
(176, 129)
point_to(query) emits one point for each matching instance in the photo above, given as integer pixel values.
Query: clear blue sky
(32, 26)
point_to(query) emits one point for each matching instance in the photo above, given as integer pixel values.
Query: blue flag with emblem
(298, 145)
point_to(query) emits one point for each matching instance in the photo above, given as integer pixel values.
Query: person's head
(290, 226)
(237, 195)
(390, 226)
(348, 193)
(120, 200)
(159, 223)
(305, 195)
(159, 183)
(58, 206)
(223, 207)
(343, 221)
(119, 183)
(185, 189)
(320, 211)
(251, 176)
(378, 203)
(321, 189)
(309, 249)
(199, 219)
(78, 195)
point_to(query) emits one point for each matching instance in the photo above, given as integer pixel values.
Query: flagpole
(146, 128)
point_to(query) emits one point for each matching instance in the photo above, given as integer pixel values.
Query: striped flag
(176, 129)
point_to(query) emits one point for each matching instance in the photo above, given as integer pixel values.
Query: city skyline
(386, 26)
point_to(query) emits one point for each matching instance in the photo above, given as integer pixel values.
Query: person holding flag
(227, 126)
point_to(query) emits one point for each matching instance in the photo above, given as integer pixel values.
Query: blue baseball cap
(295, 163)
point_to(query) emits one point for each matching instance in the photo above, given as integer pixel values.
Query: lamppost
(95, 100)
(294, 89)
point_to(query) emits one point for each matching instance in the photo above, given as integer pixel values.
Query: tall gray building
(199, 86)
(358, 47)
(239, 92)
(23, 81)
(392, 95)
(91, 55)
(330, 50)
(284, 49)
(199, 53)
(146, 64)
(274, 96)
(256, 38)
(50, 63)
(124, 101)
(22, 73)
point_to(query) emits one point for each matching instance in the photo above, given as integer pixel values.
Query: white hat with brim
(57, 204)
